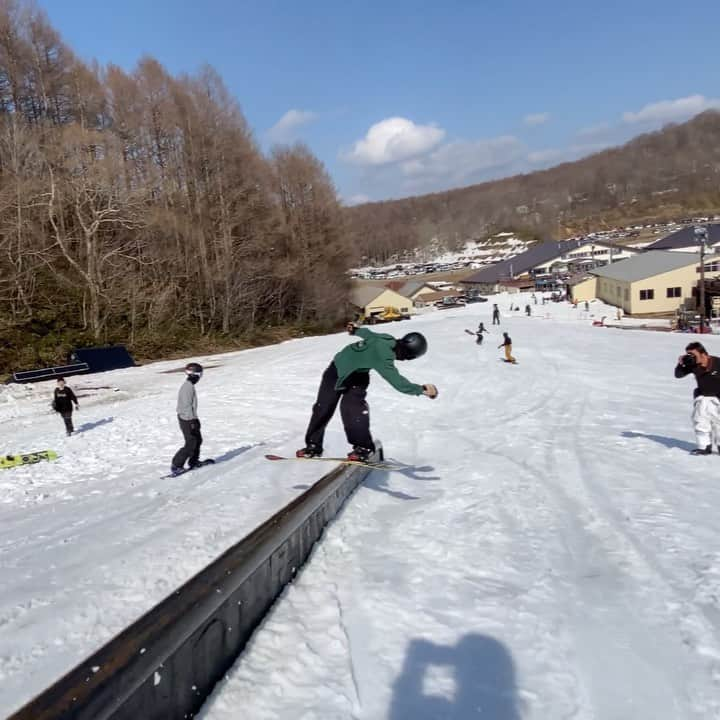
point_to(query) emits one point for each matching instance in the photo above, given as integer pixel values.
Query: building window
(674, 292)
(711, 267)
(647, 294)
(627, 294)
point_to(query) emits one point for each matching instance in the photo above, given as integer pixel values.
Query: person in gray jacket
(189, 422)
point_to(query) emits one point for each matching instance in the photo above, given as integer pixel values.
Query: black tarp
(101, 359)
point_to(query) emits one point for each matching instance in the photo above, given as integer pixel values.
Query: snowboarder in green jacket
(346, 380)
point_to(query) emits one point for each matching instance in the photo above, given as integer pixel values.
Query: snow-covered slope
(550, 551)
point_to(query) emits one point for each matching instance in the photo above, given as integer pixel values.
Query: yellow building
(370, 300)
(654, 282)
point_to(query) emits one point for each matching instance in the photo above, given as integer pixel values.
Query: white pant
(706, 419)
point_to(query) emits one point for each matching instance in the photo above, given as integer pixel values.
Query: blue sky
(401, 97)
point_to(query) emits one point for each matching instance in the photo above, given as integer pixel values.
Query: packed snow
(549, 549)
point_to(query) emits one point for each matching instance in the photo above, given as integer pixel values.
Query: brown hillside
(660, 175)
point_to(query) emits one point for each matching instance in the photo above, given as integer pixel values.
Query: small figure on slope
(479, 333)
(495, 315)
(507, 344)
(63, 399)
(528, 311)
(346, 380)
(189, 422)
(706, 405)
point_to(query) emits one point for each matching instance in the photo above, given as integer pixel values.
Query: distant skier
(189, 422)
(587, 306)
(706, 404)
(63, 400)
(507, 344)
(495, 315)
(528, 311)
(346, 380)
(479, 333)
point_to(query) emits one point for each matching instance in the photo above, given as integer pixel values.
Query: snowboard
(343, 460)
(11, 461)
(207, 461)
(509, 362)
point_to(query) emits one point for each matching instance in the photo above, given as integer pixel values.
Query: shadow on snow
(473, 678)
(85, 427)
(661, 440)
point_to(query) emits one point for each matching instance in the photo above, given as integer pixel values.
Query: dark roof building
(685, 239)
(545, 253)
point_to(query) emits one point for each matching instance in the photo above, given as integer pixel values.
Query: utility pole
(701, 234)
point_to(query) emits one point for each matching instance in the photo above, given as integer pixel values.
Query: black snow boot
(700, 451)
(311, 450)
(360, 454)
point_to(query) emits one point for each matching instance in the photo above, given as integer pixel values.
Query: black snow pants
(67, 417)
(353, 409)
(496, 319)
(193, 440)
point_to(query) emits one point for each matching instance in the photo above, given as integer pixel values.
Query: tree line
(137, 207)
(657, 176)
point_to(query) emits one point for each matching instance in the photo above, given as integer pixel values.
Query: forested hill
(660, 175)
(136, 207)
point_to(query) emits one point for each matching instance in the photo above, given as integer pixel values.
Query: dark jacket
(708, 381)
(63, 400)
(376, 351)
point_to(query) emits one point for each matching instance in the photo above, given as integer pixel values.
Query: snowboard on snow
(380, 465)
(11, 461)
(202, 463)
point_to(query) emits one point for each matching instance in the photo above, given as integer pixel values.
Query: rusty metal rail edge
(164, 665)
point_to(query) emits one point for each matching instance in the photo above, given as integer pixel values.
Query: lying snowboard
(11, 461)
(343, 460)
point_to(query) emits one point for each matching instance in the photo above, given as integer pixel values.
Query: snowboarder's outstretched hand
(351, 328)
(430, 390)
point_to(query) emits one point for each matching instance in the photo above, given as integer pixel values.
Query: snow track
(551, 550)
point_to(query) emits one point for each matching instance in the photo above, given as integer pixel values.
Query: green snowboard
(11, 461)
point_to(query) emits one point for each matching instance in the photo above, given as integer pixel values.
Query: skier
(346, 381)
(706, 404)
(587, 306)
(495, 315)
(507, 344)
(63, 399)
(528, 310)
(479, 333)
(189, 422)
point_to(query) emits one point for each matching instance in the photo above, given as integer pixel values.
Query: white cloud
(394, 140)
(671, 110)
(535, 119)
(463, 161)
(285, 128)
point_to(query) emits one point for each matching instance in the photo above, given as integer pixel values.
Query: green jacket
(373, 352)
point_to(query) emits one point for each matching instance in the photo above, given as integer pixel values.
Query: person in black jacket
(706, 404)
(63, 400)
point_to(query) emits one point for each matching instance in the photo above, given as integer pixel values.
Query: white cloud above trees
(285, 129)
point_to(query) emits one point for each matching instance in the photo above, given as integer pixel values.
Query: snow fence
(163, 666)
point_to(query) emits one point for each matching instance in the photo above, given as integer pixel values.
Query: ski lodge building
(370, 300)
(654, 282)
(547, 265)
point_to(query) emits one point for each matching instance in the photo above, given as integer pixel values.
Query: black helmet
(411, 346)
(194, 368)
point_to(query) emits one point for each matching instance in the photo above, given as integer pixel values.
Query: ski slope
(552, 551)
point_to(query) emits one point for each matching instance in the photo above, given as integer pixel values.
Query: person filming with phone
(706, 404)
